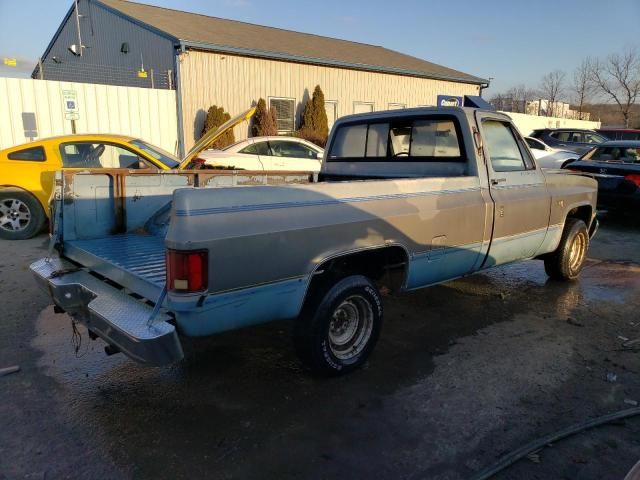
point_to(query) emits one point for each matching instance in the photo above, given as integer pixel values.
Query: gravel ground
(463, 373)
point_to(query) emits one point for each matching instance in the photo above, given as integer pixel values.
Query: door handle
(496, 181)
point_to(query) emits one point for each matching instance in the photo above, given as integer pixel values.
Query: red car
(620, 133)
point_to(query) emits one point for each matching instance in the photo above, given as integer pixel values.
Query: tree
(582, 85)
(518, 97)
(551, 89)
(498, 101)
(216, 116)
(314, 117)
(264, 121)
(618, 76)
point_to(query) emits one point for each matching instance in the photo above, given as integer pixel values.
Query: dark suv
(576, 140)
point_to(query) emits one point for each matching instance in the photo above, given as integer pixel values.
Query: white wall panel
(140, 112)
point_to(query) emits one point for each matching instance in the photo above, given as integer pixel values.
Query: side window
(283, 148)
(33, 154)
(258, 148)
(533, 144)
(576, 137)
(562, 136)
(503, 148)
(99, 155)
(593, 138)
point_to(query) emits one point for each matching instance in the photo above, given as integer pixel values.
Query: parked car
(27, 171)
(548, 157)
(620, 133)
(386, 213)
(616, 167)
(267, 153)
(576, 140)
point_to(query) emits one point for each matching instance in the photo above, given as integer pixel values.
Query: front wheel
(567, 261)
(338, 330)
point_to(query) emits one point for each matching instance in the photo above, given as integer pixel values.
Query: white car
(267, 153)
(549, 157)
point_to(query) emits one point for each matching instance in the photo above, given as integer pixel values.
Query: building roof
(231, 36)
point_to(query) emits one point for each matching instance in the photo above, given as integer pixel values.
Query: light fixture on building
(76, 50)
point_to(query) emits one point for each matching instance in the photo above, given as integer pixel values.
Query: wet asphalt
(463, 373)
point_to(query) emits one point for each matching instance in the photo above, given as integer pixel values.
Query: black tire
(21, 215)
(567, 261)
(325, 336)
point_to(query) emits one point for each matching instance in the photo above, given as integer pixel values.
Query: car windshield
(615, 154)
(169, 160)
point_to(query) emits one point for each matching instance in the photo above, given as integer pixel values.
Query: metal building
(232, 64)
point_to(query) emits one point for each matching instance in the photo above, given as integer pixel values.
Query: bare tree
(551, 89)
(583, 86)
(498, 101)
(518, 97)
(618, 76)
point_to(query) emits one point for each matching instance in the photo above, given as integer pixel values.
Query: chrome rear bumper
(119, 319)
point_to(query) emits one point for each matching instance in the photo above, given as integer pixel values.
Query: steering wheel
(400, 154)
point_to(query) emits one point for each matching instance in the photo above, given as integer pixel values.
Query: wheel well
(584, 213)
(386, 266)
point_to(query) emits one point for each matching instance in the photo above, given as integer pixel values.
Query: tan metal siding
(235, 82)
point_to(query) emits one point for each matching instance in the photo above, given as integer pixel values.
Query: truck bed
(132, 260)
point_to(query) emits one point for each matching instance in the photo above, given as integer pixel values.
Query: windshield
(170, 161)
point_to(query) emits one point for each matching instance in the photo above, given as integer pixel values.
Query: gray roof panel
(232, 36)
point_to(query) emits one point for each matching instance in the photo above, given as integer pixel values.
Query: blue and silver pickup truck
(405, 199)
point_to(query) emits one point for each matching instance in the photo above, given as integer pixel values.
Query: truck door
(518, 189)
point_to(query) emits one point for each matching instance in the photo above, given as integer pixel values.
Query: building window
(397, 106)
(331, 107)
(362, 107)
(285, 109)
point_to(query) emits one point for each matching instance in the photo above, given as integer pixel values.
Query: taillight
(187, 270)
(634, 178)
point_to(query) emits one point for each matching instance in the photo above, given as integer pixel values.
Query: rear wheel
(567, 261)
(21, 215)
(339, 328)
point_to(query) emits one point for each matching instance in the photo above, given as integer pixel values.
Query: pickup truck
(405, 199)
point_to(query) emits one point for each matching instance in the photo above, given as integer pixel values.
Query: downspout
(484, 85)
(181, 149)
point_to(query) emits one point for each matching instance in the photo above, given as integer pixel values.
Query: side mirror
(320, 155)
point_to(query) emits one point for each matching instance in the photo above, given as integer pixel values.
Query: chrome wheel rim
(577, 252)
(14, 215)
(350, 328)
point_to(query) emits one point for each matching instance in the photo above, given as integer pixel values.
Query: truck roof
(406, 112)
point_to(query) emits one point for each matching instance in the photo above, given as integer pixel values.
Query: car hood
(211, 135)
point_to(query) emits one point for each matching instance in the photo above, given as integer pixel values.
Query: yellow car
(27, 171)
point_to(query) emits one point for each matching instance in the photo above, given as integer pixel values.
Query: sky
(512, 41)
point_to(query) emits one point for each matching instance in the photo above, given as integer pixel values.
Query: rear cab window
(432, 139)
(33, 154)
(417, 146)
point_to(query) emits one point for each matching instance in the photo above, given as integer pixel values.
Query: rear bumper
(117, 318)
